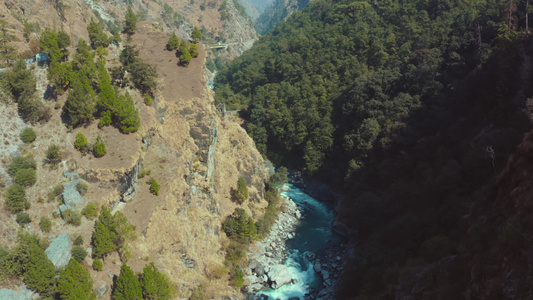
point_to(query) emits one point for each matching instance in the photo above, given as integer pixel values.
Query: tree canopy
(75, 282)
(127, 286)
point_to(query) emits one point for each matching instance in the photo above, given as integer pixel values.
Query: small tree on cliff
(242, 190)
(173, 42)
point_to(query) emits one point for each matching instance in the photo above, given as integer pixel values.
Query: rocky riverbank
(265, 269)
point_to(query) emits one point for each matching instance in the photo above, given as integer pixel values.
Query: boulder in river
(317, 267)
(279, 276)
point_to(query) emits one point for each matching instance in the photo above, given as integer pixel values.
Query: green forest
(409, 108)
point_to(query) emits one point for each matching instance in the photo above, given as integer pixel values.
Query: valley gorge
(134, 160)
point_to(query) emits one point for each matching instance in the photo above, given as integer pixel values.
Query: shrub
(78, 253)
(78, 241)
(16, 198)
(90, 211)
(147, 99)
(82, 187)
(53, 154)
(28, 135)
(154, 187)
(98, 265)
(144, 172)
(23, 218)
(26, 177)
(99, 149)
(81, 143)
(242, 190)
(238, 277)
(45, 224)
(54, 193)
(72, 217)
(18, 163)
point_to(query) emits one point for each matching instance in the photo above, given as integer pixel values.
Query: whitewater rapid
(314, 234)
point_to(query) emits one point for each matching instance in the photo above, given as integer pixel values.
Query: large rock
(70, 195)
(63, 208)
(59, 251)
(101, 289)
(279, 276)
(22, 294)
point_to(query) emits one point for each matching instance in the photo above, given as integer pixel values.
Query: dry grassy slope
(184, 221)
(77, 13)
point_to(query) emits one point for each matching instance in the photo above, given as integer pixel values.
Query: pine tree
(97, 35)
(81, 101)
(107, 100)
(173, 42)
(75, 282)
(127, 286)
(196, 34)
(127, 115)
(193, 50)
(40, 274)
(155, 285)
(63, 39)
(130, 23)
(99, 148)
(102, 240)
(185, 58)
(7, 52)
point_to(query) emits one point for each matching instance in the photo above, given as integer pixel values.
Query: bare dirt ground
(180, 83)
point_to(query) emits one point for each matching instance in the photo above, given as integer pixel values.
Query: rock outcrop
(59, 251)
(265, 266)
(22, 293)
(278, 276)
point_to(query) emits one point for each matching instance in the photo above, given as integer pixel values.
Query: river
(314, 234)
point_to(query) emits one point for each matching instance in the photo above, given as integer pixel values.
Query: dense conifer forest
(409, 108)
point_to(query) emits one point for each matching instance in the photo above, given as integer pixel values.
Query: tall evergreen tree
(97, 35)
(40, 274)
(127, 115)
(127, 286)
(196, 34)
(130, 22)
(75, 282)
(107, 100)
(102, 240)
(81, 101)
(154, 284)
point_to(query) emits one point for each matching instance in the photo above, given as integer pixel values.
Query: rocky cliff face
(278, 11)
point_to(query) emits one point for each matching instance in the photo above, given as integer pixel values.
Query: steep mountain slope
(278, 11)
(183, 143)
(411, 109)
(218, 20)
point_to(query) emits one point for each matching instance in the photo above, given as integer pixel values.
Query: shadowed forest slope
(411, 108)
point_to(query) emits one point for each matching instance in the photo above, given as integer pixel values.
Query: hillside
(411, 109)
(176, 138)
